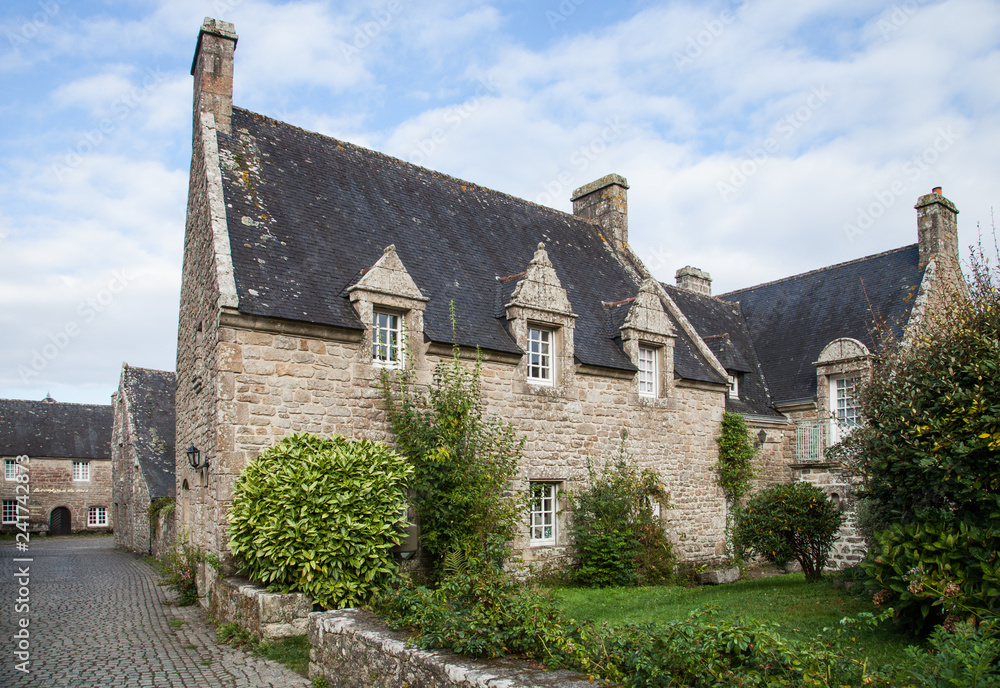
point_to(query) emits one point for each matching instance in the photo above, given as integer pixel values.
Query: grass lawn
(801, 609)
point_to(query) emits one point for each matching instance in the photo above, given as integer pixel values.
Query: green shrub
(616, 536)
(929, 571)
(736, 454)
(789, 520)
(492, 617)
(319, 516)
(962, 656)
(464, 464)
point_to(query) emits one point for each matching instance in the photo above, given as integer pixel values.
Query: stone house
(142, 457)
(312, 265)
(65, 452)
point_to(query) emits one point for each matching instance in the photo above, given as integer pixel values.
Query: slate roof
(151, 395)
(46, 429)
(306, 213)
(721, 326)
(793, 319)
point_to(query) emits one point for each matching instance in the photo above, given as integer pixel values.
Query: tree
(464, 465)
(928, 455)
(789, 520)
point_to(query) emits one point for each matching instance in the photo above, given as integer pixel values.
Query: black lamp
(761, 437)
(194, 458)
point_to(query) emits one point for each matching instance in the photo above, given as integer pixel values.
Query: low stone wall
(353, 649)
(266, 615)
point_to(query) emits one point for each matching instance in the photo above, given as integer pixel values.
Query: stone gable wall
(130, 495)
(52, 485)
(198, 390)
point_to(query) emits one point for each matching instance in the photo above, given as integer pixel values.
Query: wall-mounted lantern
(194, 458)
(761, 438)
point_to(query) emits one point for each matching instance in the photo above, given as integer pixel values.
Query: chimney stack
(212, 70)
(605, 202)
(693, 279)
(937, 228)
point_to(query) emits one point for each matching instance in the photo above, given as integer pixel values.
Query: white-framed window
(540, 342)
(10, 469)
(845, 405)
(97, 516)
(734, 385)
(647, 372)
(387, 338)
(9, 511)
(544, 507)
(81, 470)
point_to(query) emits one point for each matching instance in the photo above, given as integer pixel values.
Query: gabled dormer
(391, 307)
(541, 320)
(648, 340)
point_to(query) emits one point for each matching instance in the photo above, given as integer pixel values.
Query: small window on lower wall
(9, 511)
(544, 508)
(97, 516)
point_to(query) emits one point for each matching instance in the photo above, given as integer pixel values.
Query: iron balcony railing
(812, 439)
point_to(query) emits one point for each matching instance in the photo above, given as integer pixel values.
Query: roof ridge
(52, 404)
(710, 297)
(436, 173)
(818, 270)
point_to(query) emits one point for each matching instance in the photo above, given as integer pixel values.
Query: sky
(760, 138)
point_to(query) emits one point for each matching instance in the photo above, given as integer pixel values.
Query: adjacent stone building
(64, 450)
(142, 454)
(312, 265)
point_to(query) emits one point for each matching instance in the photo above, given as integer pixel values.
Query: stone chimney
(212, 70)
(937, 228)
(693, 279)
(605, 202)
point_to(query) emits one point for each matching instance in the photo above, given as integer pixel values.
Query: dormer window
(647, 372)
(734, 385)
(387, 339)
(540, 342)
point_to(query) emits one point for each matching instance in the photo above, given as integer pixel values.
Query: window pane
(9, 511)
(543, 513)
(10, 469)
(647, 371)
(847, 402)
(539, 354)
(386, 339)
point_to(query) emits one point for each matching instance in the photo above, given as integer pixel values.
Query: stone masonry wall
(270, 385)
(197, 344)
(51, 485)
(130, 495)
(266, 615)
(352, 649)
(850, 547)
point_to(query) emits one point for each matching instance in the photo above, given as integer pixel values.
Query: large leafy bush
(464, 465)
(929, 453)
(319, 515)
(617, 538)
(789, 520)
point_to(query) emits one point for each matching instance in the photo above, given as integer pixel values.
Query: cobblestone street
(97, 621)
